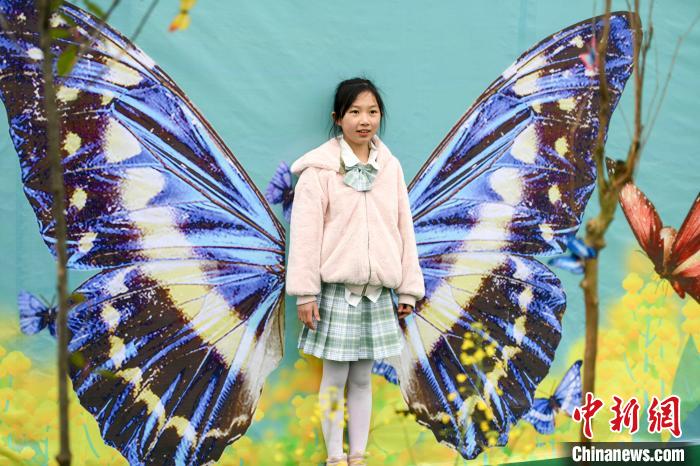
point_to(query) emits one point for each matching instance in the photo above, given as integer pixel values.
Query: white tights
(358, 377)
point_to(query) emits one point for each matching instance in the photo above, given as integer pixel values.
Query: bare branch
(143, 21)
(679, 42)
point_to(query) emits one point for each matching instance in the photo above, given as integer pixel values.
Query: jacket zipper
(369, 262)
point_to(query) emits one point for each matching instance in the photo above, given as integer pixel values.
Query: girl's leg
(335, 374)
(359, 404)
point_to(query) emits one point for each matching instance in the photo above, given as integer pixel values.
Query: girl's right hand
(308, 314)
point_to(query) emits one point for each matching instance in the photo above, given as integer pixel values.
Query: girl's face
(361, 121)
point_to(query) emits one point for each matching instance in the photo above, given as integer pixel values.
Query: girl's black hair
(346, 93)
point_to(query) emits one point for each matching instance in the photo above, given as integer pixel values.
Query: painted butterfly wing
(35, 314)
(280, 191)
(184, 357)
(569, 263)
(685, 253)
(510, 180)
(194, 254)
(541, 416)
(644, 221)
(140, 161)
(568, 393)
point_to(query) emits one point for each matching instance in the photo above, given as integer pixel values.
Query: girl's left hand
(404, 310)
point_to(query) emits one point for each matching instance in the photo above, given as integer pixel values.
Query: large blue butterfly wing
(181, 328)
(138, 156)
(568, 393)
(510, 180)
(541, 416)
(175, 357)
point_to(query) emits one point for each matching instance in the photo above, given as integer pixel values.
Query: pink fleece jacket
(340, 235)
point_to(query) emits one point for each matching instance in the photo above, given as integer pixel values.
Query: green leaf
(67, 60)
(59, 33)
(106, 373)
(95, 9)
(55, 5)
(77, 359)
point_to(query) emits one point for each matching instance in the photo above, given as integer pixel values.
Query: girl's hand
(404, 310)
(307, 313)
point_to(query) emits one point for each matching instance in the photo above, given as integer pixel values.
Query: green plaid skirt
(349, 333)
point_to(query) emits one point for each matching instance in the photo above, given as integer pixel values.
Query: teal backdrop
(263, 74)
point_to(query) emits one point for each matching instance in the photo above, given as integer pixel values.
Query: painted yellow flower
(15, 363)
(632, 283)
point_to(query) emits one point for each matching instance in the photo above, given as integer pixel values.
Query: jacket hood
(327, 156)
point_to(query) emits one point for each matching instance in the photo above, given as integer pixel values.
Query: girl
(351, 241)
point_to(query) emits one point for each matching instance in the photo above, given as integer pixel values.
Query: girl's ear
(334, 119)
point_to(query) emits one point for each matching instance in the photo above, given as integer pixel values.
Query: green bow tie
(360, 177)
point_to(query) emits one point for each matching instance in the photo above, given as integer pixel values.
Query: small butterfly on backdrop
(35, 314)
(675, 254)
(386, 370)
(579, 252)
(280, 191)
(566, 397)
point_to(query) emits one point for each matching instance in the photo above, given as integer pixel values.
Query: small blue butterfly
(35, 314)
(280, 191)
(575, 261)
(386, 370)
(566, 397)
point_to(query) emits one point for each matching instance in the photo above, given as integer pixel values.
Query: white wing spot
(525, 145)
(110, 316)
(121, 74)
(519, 329)
(525, 298)
(522, 272)
(35, 54)
(107, 97)
(71, 143)
(140, 185)
(67, 94)
(117, 351)
(86, 242)
(547, 232)
(506, 183)
(577, 41)
(527, 84)
(561, 146)
(554, 194)
(567, 104)
(57, 20)
(119, 143)
(78, 198)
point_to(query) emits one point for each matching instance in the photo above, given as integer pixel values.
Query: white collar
(349, 157)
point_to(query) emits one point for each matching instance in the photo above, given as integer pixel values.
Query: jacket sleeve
(412, 287)
(304, 266)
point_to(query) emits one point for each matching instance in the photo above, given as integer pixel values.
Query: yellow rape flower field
(643, 337)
